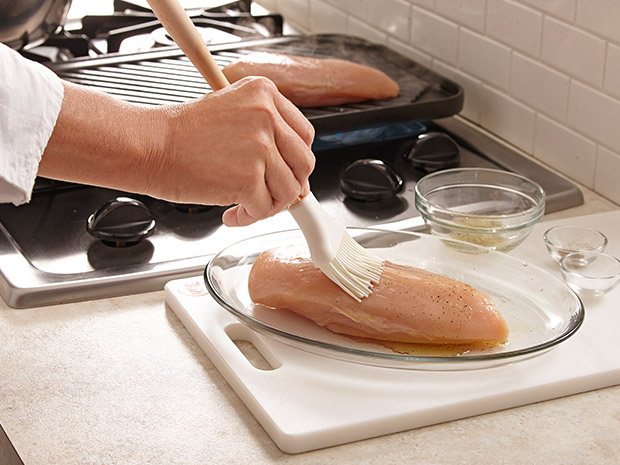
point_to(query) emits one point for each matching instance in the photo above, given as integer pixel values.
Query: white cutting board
(309, 401)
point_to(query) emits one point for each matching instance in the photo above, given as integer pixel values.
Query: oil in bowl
(491, 208)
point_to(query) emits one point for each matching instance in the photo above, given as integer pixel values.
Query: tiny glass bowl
(564, 240)
(590, 273)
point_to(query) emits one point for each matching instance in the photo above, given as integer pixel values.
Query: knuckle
(266, 84)
(259, 84)
(308, 164)
(310, 132)
(262, 116)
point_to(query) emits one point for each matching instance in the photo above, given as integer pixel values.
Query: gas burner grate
(96, 35)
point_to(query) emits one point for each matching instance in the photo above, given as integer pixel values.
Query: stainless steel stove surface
(47, 256)
(69, 244)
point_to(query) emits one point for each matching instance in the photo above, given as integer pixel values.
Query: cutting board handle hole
(258, 355)
(253, 355)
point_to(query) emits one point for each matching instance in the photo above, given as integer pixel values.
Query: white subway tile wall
(515, 25)
(539, 86)
(612, 70)
(434, 35)
(557, 145)
(484, 58)
(544, 75)
(562, 9)
(505, 115)
(571, 50)
(469, 13)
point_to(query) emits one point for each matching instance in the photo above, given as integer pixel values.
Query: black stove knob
(370, 180)
(434, 151)
(121, 222)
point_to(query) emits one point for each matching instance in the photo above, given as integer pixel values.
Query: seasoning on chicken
(315, 82)
(407, 305)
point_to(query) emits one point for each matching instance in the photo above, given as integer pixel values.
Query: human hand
(245, 145)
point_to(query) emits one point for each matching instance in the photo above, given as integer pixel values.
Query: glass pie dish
(540, 309)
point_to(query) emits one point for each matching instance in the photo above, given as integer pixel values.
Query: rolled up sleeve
(30, 100)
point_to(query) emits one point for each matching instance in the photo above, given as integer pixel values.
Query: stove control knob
(434, 151)
(121, 222)
(370, 180)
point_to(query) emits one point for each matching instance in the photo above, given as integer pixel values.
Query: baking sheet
(166, 76)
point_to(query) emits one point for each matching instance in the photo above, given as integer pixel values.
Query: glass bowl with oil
(491, 208)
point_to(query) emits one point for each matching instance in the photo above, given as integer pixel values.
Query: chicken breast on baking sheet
(315, 82)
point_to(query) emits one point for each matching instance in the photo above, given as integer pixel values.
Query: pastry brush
(333, 251)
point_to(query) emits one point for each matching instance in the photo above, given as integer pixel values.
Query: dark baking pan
(164, 75)
(423, 93)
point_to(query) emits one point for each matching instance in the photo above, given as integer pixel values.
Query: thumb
(237, 216)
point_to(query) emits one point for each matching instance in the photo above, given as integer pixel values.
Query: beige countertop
(121, 381)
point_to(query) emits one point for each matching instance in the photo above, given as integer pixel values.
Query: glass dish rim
(532, 220)
(576, 321)
(535, 211)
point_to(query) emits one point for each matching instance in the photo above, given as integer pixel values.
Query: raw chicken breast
(314, 82)
(407, 305)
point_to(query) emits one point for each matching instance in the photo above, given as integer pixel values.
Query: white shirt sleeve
(30, 100)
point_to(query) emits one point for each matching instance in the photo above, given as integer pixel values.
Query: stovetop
(47, 256)
(99, 28)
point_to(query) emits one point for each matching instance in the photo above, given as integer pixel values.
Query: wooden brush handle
(182, 30)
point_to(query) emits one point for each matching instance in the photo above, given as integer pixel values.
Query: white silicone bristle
(354, 268)
(334, 251)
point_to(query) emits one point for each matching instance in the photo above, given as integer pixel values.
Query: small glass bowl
(590, 273)
(564, 240)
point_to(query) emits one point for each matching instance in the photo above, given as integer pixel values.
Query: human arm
(245, 145)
